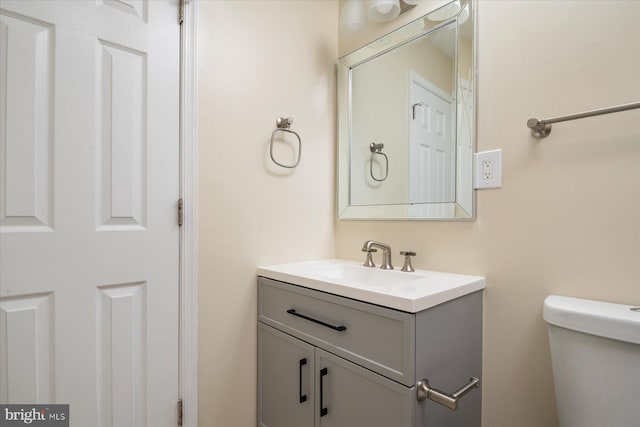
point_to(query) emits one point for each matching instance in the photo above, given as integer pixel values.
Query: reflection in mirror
(407, 121)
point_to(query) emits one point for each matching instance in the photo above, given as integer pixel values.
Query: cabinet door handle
(320, 322)
(303, 397)
(323, 410)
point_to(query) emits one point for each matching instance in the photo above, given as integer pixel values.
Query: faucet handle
(407, 261)
(369, 261)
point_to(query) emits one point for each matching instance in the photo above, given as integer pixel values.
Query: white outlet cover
(495, 159)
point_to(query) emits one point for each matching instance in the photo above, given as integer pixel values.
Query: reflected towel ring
(377, 149)
(283, 124)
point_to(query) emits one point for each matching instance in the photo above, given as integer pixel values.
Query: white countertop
(410, 292)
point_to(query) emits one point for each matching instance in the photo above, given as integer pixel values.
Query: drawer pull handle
(323, 411)
(303, 397)
(450, 400)
(335, 328)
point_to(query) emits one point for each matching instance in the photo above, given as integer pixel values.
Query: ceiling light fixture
(353, 16)
(383, 10)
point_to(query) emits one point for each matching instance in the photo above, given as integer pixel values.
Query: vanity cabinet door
(348, 395)
(285, 380)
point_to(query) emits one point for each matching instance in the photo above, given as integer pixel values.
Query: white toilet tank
(595, 353)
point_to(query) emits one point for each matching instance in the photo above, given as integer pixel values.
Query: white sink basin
(362, 276)
(411, 292)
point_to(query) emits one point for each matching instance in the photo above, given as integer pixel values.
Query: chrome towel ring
(283, 124)
(377, 149)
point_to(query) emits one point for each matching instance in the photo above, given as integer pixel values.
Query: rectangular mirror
(406, 121)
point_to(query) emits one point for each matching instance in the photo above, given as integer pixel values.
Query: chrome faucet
(386, 252)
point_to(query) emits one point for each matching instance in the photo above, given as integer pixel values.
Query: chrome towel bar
(542, 128)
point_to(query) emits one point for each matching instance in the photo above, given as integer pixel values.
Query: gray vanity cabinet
(302, 386)
(330, 361)
(286, 367)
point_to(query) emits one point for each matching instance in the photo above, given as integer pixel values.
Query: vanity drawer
(377, 338)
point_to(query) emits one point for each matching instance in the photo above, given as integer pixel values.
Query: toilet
(595, 354)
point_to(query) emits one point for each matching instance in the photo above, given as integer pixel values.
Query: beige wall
(567, 220)
(257, 60)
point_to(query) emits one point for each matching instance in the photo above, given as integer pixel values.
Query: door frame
(188, 305)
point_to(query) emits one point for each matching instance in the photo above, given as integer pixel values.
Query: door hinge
(181, 11)
(180, 412)
(180, 212)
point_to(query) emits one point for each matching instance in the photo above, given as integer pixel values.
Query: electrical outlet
(488, 169)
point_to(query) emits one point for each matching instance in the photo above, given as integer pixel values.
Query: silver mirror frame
(346, 211)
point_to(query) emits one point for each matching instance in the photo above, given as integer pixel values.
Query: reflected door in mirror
(431, 143)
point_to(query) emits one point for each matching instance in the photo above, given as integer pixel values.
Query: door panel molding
(121, 324)
(121, 163)
(26, 142)
(26, 348)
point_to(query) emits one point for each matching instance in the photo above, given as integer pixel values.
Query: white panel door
(88, 191)
(431, 143)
